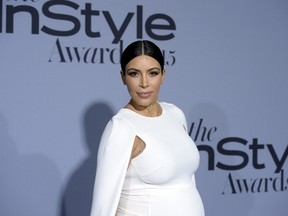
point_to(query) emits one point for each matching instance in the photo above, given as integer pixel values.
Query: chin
(143, 104)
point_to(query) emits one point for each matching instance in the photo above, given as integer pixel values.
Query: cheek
(157, 84)
(131, 85)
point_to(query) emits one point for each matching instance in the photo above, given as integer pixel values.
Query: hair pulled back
(141, 47)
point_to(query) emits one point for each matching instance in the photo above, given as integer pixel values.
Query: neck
(153, 110)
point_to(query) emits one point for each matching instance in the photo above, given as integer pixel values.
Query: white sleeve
(181, 116)
(184, 122)
(112, 163)
(183, 119)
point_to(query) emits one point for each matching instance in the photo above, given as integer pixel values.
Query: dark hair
(141, 47)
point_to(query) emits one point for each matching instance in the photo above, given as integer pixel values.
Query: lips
(144, 94)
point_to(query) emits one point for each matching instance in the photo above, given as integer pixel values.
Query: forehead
(143, 62)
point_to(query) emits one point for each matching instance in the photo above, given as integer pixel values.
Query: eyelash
(154, 73)
(134, 74)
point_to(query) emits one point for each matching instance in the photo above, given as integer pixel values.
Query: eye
(132, 73)
(154, 73)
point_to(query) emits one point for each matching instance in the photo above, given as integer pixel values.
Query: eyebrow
(133, 69)
(150, 69)
(157, 68)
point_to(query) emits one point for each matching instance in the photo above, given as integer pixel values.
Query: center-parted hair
(141, 47)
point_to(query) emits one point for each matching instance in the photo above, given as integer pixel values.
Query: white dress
(158, 182)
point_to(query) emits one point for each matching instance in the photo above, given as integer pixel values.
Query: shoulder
(119, 132)
(120, 122)
(166, 105)
(175, 111)
(172, 108)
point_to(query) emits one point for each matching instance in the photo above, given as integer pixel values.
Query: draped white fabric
(60, 84)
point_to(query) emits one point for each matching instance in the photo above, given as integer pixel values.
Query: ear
(123, 77)
(163, 76)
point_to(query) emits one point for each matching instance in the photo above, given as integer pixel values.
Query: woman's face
(143, 77)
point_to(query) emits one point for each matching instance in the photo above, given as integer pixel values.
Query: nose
(144, 82)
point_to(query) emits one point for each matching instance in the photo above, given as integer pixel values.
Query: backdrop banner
(60, 83)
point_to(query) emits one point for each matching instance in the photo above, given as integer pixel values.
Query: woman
(146, 159)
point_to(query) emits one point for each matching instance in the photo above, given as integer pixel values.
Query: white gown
(158, 182)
